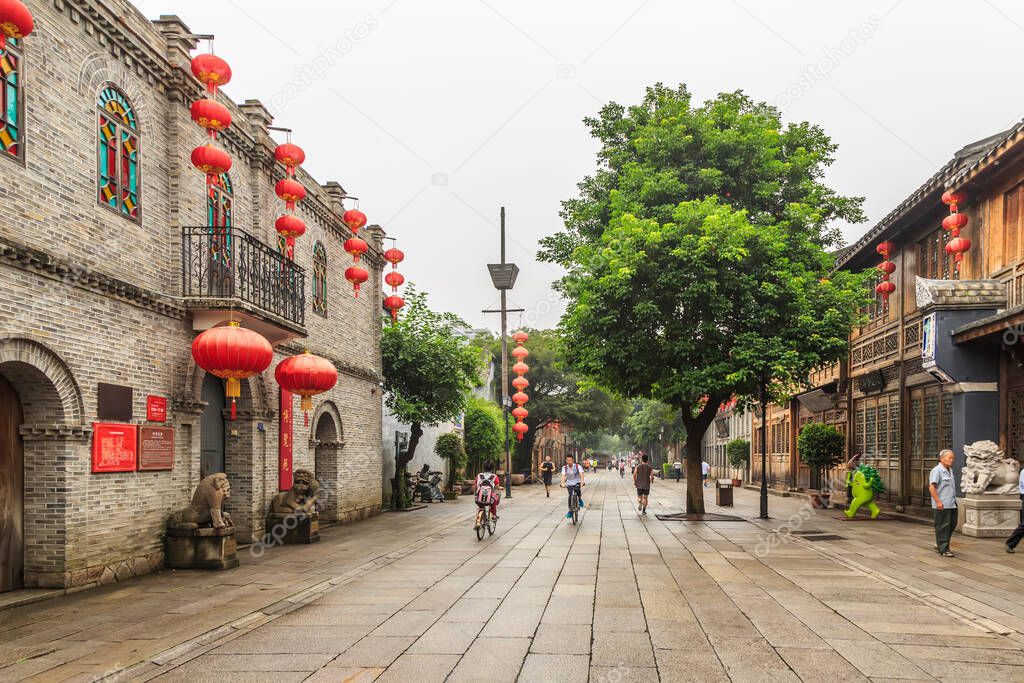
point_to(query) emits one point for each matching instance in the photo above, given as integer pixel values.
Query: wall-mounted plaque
(114, 402)
(114, 447)
(156, 409)
(156, 448)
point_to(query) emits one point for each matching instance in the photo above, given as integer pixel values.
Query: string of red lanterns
(290, 191)
(885, 288)
(15, 21)
(957, 246)
(520, 383)
(356, 246)
(306, 375)
(212, 116)
(394, 279)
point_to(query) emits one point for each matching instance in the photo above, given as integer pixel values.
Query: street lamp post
(764, 450)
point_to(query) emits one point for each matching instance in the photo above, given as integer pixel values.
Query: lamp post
(503, 277)
(764, 448)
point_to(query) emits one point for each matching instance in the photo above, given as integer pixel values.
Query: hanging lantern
(211, 160)
(290, 226)
(954, 223)
(211, 70)
(887, 267)
(394, 303)
(520, 413)
(520, 338)
(232, 353)
(520, 429)
(394, 279)
(393, 256)
(211, 115)
(357, 247)
(306, 375)
(520, 383)
(885, 288)
(957, 246)
(15, 21)
(290, 191)
(953, 199)
(520, 352)
(290, 155)
(519, 398)
(357, 275)
(520, 368)
(354, 219)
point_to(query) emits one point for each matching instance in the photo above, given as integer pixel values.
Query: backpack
(485, 490)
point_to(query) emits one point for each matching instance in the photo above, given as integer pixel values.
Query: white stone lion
(988, 471)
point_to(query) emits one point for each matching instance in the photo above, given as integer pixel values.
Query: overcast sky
(437, 113)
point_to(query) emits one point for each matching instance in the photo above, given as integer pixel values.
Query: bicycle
(485, 522)
(574, 503)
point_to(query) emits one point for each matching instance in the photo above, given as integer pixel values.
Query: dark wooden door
(212, 437)
(12, 489)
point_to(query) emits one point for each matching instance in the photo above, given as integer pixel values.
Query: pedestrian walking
(1018, 533)
(677, 467)
(705, 469)
(547, 469)
(643, 477)
(942, 486)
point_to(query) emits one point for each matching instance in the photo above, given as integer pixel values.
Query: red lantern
(957, 246)
(885, 248)
(211, 115)
(955, 221)
(520, 429)
(394, 303)
(15, 21)
(357, 247)
(394, 279)
(232, 353)
(520, 383)
(953, 199)
(306, 375)
(290, 155)
(354, 219)
(520, 352)
(520, 368)
(289, 226)
(211, 70)
(357, 275)
(290, 191)
(520, 337)
(393, 256)
(885, 288)
(211, 160)
(520, 413)
(519, 398)
(887, 267)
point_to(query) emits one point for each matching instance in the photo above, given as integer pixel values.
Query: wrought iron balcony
(225, 267)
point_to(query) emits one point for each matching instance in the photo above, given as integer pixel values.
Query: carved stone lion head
(304, 483)
(222, 484)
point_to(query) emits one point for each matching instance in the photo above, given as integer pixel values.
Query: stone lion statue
(987, 470)
(207, 505)
(301, 499)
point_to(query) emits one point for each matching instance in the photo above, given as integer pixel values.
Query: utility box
(723, 493)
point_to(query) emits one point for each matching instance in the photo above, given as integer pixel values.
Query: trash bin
(723, 493)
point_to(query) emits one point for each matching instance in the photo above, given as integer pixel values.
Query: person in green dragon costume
(864, 483)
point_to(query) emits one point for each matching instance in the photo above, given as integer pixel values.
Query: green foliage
(820, 446)
(666, 468)
(449, 447)
(653, 422)
(873, 478)
(484, 436)
(738, 453)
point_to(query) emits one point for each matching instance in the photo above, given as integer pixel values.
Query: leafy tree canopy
(653, 422)
(484, 435)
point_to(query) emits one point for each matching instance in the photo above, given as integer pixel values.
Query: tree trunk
(695, 429)
(398, 501)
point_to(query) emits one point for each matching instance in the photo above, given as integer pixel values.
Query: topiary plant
(821, 446)
(738, 453)
(450, 448)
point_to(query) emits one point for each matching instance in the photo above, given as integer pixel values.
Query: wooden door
(12, 489)
(212, 433)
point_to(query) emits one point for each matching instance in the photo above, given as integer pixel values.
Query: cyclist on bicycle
(487, 488)
(572, 480)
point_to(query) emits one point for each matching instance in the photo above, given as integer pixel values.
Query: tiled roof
(961, 293)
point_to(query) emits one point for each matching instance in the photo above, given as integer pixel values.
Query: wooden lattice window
(1012, 224)
(118, 152)
(932, 260)
(219, 202)
(12, 106)
(319, 279)
(1015, 424)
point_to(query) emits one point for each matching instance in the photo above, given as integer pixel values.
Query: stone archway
(326, 441)
(54, 448)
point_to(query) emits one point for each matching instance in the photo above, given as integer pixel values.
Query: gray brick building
(106, 277)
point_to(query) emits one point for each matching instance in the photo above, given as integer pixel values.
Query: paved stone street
(415, 597)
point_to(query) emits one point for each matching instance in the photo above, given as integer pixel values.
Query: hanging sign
(156, 448)
(156, 409)
(284, 451)
(114, 447)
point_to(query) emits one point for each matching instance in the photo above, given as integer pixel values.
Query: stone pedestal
(207, 548)
(990, 515)
(293, 528)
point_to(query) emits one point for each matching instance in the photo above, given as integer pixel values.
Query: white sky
(437, 113)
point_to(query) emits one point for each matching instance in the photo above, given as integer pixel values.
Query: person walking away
(677, 467)
(643, 478)
(1018, 533)
(705, 469)
(942, 487)
(488, 485)
(547, 470)
(572, 478)
(622, 469)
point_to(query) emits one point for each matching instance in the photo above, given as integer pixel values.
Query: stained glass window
(11, 132)
(320, 279)
(118, 149)
(219, 202)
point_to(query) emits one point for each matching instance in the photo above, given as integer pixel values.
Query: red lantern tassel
(234, 409)
(305, 419)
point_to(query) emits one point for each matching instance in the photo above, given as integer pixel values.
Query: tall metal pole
(504, 369)
(764, 450)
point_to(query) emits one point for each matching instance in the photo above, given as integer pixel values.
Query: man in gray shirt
(942, 486)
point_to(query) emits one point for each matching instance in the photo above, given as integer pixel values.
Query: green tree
(449, 447)
(738, 453)
(821, 447)
(429, 370)
(651, 425)
(484, 435)
(696, 257)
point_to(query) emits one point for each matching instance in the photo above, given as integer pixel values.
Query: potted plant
(450, 448)
(738, 453)
(821, 448)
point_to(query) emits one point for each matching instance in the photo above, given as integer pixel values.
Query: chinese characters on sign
(156, 448)
(284, 452)
(156, 409)
(114, 447)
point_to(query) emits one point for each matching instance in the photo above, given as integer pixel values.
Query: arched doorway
(211, 435)
(12, 489)
(326, 436)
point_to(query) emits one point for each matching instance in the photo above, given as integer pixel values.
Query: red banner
(284, 450)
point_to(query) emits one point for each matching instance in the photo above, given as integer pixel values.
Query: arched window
(319, 279)
(12, 107)
(118, 149)
(219, 202)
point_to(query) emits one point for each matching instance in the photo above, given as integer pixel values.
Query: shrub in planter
(738, 453)
(821, 448)
(449, 447)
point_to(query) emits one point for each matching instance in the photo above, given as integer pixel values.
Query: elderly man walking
(942, 486)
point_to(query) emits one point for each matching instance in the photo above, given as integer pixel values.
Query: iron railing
(229, 263)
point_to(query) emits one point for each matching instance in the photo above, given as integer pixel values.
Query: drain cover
(706, 517)
(824, 537)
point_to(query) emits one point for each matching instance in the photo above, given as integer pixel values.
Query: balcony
(226, 271)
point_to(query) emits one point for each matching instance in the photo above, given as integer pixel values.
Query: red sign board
(284, 450)
(156, 409)
(156, 448)
(114, 447)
